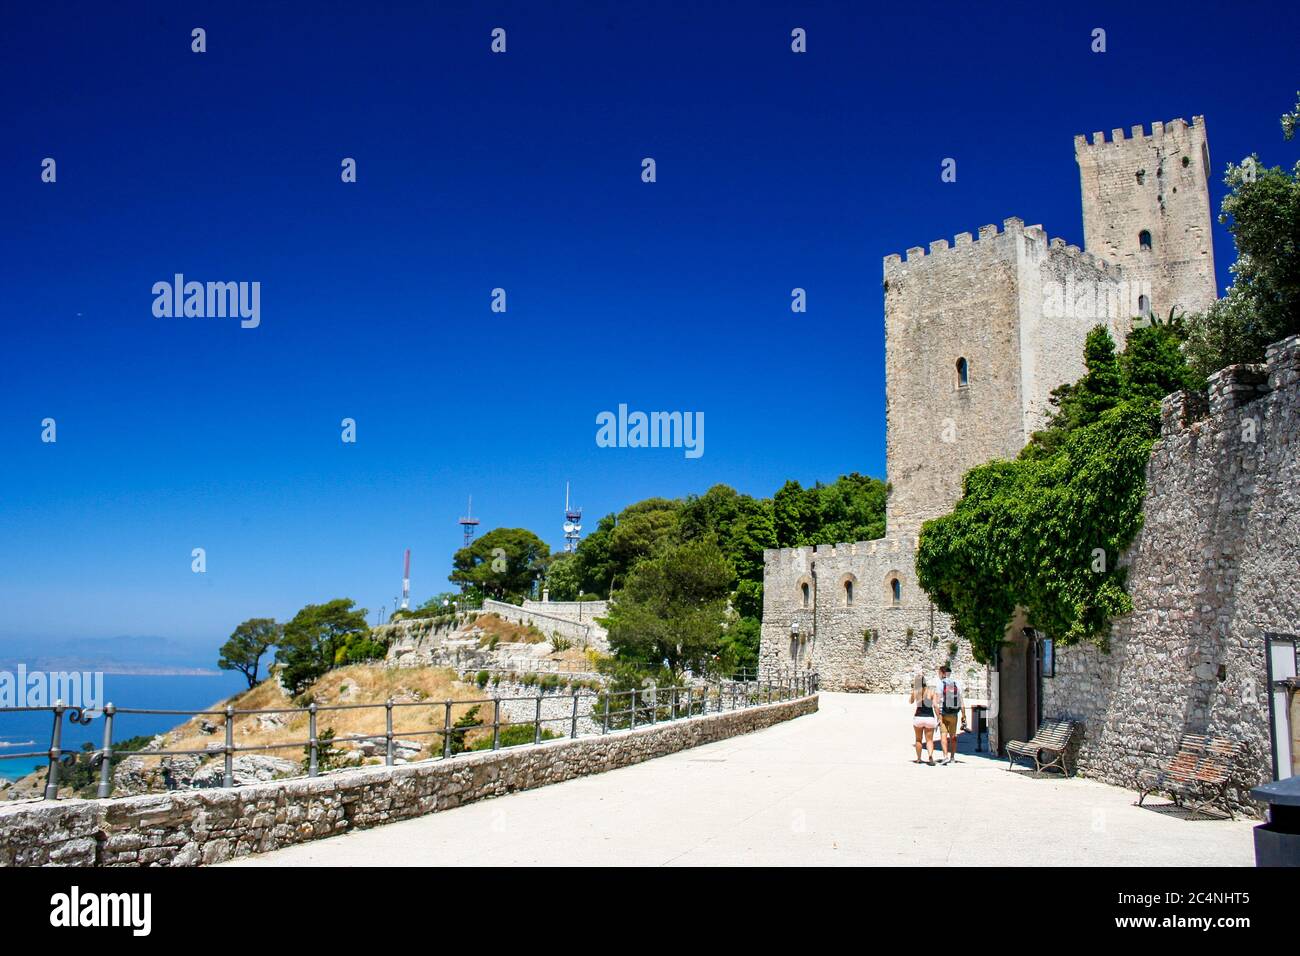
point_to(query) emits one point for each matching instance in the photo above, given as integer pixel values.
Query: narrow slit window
(848, 593)
(803, 590)
(1144, 240)
(963, 373)
(896, 592)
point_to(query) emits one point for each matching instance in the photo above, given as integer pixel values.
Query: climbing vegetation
(1044, 532)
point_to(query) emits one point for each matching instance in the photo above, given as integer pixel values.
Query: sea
(25, 732)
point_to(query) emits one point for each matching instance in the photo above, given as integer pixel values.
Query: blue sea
(25, 732)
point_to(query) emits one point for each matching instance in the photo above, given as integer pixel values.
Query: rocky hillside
(424, 689)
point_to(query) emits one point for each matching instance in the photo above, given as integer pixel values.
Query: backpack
(951, 701)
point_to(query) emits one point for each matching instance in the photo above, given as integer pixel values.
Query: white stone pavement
(836, 787)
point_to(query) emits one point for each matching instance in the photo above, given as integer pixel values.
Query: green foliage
(319, 637)
(1262, 211)
(81, 774)
(624, 676)
(513, 735)
(742, 528)
(503, 563)
(851, 509)
(563, 578)
(481, 678)
(440, 608)
(464, 723)
(250, 640)
(1045, 532)
(672, 608)
(327, 755)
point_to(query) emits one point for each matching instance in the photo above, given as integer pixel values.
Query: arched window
(848, 594)
(804, 592)
(1144, 305)
(1144, 240)
(963, 373)
(895, 591)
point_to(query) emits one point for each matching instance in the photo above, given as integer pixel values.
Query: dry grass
(506, 632)
(426, 689)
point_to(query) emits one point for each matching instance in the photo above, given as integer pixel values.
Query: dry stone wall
(1214, 567)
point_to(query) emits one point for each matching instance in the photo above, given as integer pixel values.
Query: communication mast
(469, 523)
(572, 523)
(406, 582)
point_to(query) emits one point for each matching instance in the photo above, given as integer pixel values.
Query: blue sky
(478, 171)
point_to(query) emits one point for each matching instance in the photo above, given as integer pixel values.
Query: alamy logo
(73, 909)
(83, 690)
(651, 430)
(209, 300)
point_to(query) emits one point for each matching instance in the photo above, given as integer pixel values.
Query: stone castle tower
(977, 335)
(1146, 206)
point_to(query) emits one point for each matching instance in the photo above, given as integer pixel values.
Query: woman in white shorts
(924, 716)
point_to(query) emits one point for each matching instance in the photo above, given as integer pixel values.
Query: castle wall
(870, 644)
(1064, 294)
(1159, 183)
(1017, 308)
(1214, 567)
(958, 302)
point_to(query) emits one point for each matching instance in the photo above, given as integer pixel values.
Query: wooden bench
(1201, 771)
(1048, 748)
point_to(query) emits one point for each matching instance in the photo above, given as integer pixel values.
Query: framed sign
(1047, 652)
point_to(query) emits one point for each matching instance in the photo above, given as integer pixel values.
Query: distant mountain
(127, 654)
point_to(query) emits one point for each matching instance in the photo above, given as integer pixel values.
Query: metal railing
(609, 710)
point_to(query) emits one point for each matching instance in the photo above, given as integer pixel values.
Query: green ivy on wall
(1045, 532)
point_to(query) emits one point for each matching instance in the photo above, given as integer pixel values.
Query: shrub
(327, 755)
(481, 678)
(514, 735)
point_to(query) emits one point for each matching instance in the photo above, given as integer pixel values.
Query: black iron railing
(608, 710)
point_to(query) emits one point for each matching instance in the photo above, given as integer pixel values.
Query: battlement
(990, 234)
(1234, 387)
(1159, 130)
(787, 557)
(1013, 226)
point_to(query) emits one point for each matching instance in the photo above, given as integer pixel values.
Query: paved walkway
(836, 787)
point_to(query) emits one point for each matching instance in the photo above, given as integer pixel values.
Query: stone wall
(1016, 308)
(1214, 567)
(868, 643)
(582, 633)
(209, 826)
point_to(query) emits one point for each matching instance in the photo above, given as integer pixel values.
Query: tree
(1045, 532)
(794, 513)
(321, 636)
(250, 640)
(563, 579)
(1262, 212)
(504, 563)
(851, 509)
(593, 564)
(621, 540)
(672, 609)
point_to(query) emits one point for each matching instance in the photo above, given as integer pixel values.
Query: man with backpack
(950, 706)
